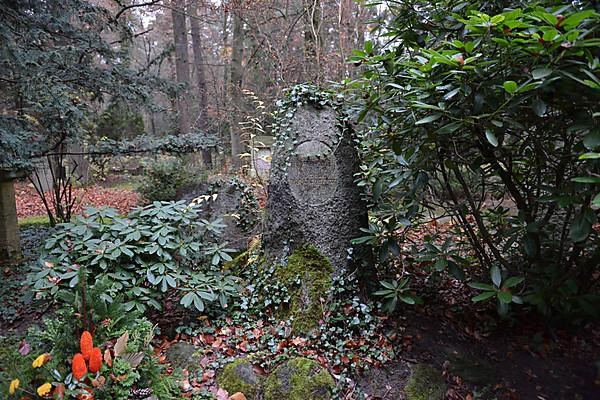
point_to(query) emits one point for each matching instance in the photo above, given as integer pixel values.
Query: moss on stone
(238, 262)
(239, 376)
(425, 383)
(299, 379)
(307, 276)
(245, 258)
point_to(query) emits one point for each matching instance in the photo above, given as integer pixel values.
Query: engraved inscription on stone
(312, 174)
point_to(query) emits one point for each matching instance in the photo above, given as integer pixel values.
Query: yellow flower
(44, 389)
(14, 385)
(38, 362)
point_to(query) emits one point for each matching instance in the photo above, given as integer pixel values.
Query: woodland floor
(480, 358)
(30, 205)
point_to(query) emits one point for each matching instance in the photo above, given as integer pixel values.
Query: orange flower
(95, 362)
(79, 368)
(86, 345)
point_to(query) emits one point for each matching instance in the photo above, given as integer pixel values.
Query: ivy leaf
(510, 87)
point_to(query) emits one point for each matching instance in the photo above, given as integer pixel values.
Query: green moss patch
(299, 379)
(425, 383)
(239, 376)
(307, 277)
(28, 222)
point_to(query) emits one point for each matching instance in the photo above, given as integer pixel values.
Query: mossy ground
(28, 222)
(425, 383)
(307, 276)
(299, 379)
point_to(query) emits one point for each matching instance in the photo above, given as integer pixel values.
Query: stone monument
(234, 201)
(312, 197)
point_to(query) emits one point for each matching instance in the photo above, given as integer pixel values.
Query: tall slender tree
(182, 67)
(202, 119)
(236, 82)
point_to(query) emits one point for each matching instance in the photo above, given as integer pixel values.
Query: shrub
(490, 104)
(162, 179)
(162, 249)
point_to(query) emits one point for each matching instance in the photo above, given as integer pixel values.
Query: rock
(307, 277)
(238, 396)
(299, 379)
(239, 376)
(312, 197)
(471, 369)
(183, 355)
(234, 201)
(425, 383)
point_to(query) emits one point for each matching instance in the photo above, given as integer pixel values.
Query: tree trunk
(182, 68)
(345, 32)
(202, 121)
(235, 85)
(312, 41)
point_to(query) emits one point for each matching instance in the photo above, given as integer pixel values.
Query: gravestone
(312, 197)
(232, 200)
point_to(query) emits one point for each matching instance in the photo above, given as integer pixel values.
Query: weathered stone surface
(299, 379)
(183, 355)
(234, 201)
(312, 197)
(10, 248)
(239, 376)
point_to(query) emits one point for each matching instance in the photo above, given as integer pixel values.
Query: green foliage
(394, 291)
(500, 290)
(163, 178)
(119, 121)
(52, 75)
(161, 249)
(499, 103)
